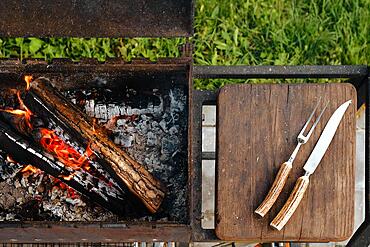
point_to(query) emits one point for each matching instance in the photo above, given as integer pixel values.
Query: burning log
(93, 188)
(47, 103)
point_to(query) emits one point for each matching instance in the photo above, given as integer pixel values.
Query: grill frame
(53, 232)
(99, 232)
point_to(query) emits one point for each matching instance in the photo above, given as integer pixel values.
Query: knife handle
(275, 189)
(291, 204)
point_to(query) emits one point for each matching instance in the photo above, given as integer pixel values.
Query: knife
(311, 164)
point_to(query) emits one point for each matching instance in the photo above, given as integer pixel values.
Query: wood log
(94, 189)
(44, 99)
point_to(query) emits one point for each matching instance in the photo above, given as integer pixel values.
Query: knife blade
(312, 162)
(325, 139)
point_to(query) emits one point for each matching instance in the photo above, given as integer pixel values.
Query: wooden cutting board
(257, 126)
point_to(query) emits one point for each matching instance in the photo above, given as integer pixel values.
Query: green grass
(99, 48)
(283, 32)
(251, 32)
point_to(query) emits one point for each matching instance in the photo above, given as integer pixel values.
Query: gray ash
(26, 195)
(151, 125)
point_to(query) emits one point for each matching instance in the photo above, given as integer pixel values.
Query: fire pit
(149, 122)
(126, 173)
(144, 110)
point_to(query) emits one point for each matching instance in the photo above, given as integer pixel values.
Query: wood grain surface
(257, 127)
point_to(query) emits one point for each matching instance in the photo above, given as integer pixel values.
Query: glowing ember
(29, 168)
(71, 193)
(69, 177)
(28, 79)
(10, 159)
(65, 153)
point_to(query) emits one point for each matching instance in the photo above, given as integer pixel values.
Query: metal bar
(362, 236)
(367, 156)
(96, 18)
(302, 71)
(199, 99)
(361, 92)
(360, 83)
(67, 233)
(208, 155)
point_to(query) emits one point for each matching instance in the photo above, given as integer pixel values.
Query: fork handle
(291, 204)
(275, 189)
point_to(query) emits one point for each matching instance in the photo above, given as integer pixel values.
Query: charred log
(47, 102)
(20, 124)
(89, 186)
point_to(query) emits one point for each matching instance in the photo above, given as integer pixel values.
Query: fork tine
(317, 120)
(309, 118)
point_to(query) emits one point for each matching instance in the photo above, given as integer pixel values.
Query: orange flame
(29, 168)
(28, 79)
(24, 111)
(27, 113)
(51, 142)
(26, 168)
(64, 152)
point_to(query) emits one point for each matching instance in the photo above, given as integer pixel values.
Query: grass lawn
(252, 32)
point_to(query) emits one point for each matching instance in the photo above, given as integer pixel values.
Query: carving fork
(286, 167)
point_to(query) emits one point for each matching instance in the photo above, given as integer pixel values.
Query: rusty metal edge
(97, 18)
(95, 233)
(280, 71)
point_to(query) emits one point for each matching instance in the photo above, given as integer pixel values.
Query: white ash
(152, 128)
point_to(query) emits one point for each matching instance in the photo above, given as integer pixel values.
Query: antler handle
(291, 204)
(275, 190)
